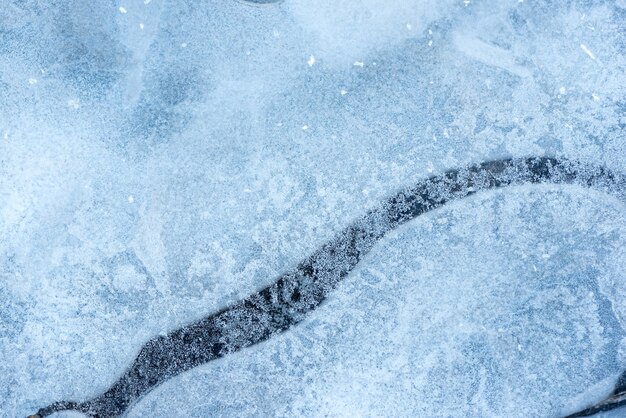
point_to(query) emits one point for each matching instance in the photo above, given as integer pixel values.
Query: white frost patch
(311, 61)
(488, 54)
(123, 10)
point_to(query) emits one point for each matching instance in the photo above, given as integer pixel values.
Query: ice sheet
(159, 160)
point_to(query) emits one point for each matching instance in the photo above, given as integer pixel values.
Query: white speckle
(246, 190)
(519, 347)
(122, 10)
(587, 51)
(141, 26)
(359, 64)
(74, 103)
(430, 43)
(545, 256)
(248, 53)
(305, 127)
(446, 133)
(279, 124)
(534, 267)
(365, 191)
(275, 34)
(6, 135)
(146, 1)
(430, 32)
(131, 199)
(344, 92)
(595, 97)
(562, 90)
(311, 61)
(408, 26)
(32, 81)
(183, 45)
(43, 71)
(466, 2)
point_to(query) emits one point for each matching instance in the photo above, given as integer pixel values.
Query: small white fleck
(344, 92)
(279, 124)
(43, 71)
(365, 191)
(248, 53)
(275, 34)
(183, 45)
(534, 267)
(32, 81)
(466, 2)
(595, 97)
(408, 26)
(74, 103)
(587, 51)
(246, 190)
(562, 90)
(6, 135)
(359, 64)
(131, 199)
(519, 347)
(122, 10)
(305, 127)
(430, 32)
(546, 256)
(311, 61)
(141, 26)
(146, 1)
(446, 133)
(430, 43)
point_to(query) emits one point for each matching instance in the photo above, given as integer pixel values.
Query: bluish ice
(162, 159)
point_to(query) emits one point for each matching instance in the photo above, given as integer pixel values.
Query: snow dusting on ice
(161, 160)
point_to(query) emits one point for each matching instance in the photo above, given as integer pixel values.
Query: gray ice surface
(160, 159)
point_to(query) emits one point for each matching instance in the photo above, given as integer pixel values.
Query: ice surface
(159, 160)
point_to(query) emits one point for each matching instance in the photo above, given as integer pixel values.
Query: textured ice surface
(159, 160)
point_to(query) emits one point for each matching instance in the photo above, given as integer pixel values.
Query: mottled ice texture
(160, 159)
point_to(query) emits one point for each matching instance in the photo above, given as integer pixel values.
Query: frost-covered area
(159, 160)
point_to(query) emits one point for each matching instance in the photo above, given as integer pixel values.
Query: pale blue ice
(161, 159)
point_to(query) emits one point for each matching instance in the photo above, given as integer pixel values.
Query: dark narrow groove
(285, 303)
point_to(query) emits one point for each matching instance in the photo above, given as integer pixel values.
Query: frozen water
(159, 160)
